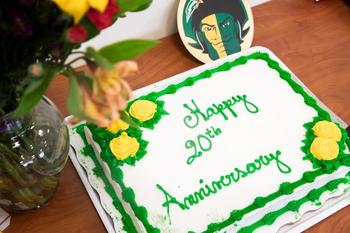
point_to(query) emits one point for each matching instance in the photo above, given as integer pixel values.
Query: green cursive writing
(223, 108)
(202, 144)
(227, 180)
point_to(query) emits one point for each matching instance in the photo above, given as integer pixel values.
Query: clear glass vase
(33, 151)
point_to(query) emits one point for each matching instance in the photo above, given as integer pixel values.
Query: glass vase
(33, 151)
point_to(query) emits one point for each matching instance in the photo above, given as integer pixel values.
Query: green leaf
(143, 6)
(126, 50)
(91, 53)
(36, 89)
(90, 28)
(74, 98)
(133, 5)
(86, 78)
(127, 119)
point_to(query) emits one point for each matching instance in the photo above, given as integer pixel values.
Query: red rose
(104, 19)
(77, 34)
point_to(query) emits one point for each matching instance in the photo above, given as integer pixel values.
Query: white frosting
(97, 150)
(277, 126)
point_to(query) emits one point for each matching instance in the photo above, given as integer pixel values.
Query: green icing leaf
(103, 137)
(150, 124)
(329, 166)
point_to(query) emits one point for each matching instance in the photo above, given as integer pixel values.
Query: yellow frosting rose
(324, 148)
(143, 110)
(327, 129)
(117, 125)
(124, 146)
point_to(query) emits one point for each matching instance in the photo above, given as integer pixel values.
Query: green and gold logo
(212, 29)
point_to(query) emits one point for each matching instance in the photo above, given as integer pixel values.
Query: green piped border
(128, 194)
(259, 202)
(87, 150)
(314, 196)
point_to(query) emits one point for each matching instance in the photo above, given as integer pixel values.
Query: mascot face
(213, 29)
(221, 34)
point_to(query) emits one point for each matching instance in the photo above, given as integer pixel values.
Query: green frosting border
(236, 215)
(87, 150)
(100, 135)
(294, 205)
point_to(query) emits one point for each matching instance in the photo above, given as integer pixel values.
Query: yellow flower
(143, 110)
(78, 8)
(124, 146)
(117, 125)
(109, 94)
(110, 81)
(324, 148)
(110, 89)
(93, 110)
(327, 129)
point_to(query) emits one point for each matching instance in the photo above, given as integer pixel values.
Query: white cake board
(5, 219)
(310, 214)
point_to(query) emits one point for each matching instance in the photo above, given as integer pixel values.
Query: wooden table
(312, 39)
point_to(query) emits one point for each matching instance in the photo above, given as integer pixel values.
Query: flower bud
(36, 70)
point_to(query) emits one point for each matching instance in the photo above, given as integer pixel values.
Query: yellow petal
(118, 125)
(143, 110)
(134, 148)
(74, 8)
(327, 129)
(107, 80)
(126, 68)
(99, 5)
(324, 148)
(124, 146)
(93, 111)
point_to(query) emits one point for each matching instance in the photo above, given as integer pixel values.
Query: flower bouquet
(36, 39)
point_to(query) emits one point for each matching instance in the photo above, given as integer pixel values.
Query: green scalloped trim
(294, 205)
(259, 202)
(331, 165)
(128, 224)
(157, 116)
(103, 137)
